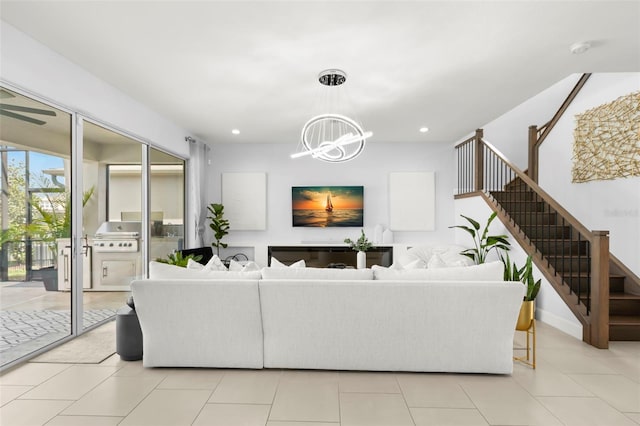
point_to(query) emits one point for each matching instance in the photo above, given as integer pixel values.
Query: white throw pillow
(414, 264)
(275, 263)
(234, 265)
(316, 274)
(450, 255)
(192, 264)
(492, 271)
(436, 262)
(251, 266)
(215, 264)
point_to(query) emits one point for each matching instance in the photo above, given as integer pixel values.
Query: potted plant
(361, 245)
(177, 259)
(483, 243)
(219, 225)
(52, 224)
(525, 275)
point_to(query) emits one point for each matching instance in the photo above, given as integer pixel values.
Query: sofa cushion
(492, 271)
(316, 274)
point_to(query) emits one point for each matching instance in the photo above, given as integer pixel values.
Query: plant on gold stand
(526, 318)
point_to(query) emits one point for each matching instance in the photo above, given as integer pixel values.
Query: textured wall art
(607, 141)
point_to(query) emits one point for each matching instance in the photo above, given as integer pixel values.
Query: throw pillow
(234, 265)
(414, 264)
(491, 271)
(192, 264)
(250, 266)
(436, 262)
(215, 264)
(275, 263)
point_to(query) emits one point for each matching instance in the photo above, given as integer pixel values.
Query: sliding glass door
(113, 239)
(35, 219)
(70, 248)
(166, 198)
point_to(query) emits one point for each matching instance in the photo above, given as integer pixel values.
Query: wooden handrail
(466, 141)
(572, 95)
(537, 134)
(546, 197)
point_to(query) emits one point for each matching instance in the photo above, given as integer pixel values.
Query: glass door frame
(76, 152)
(73, 116)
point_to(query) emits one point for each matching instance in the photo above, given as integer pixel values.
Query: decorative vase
(361, 260)
(377, 234)
(526, 316)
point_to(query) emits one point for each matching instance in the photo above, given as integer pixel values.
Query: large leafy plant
(524, 274)
(483, 242)
(178, 259)
(219, 225)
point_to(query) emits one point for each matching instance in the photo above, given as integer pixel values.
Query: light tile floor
(574, 384)
(32, 318)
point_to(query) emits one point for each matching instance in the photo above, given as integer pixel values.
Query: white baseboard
(562, 324)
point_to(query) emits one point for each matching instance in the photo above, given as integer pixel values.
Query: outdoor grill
(116, 255)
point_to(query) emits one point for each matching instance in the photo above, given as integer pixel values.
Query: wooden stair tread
(624, 296)
(585, 275)
(624, 320)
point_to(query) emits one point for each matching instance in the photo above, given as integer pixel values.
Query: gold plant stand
(527, 323)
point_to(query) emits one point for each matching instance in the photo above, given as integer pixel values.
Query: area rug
(92, 347)
(28, 284)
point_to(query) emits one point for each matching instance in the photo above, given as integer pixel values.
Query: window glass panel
(112, 167)
(166, 193)
(35, 154)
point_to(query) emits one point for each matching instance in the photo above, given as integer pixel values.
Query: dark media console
(330, 256)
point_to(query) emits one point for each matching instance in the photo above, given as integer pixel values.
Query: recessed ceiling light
(580, 47)
(235, 131)
(424, 129)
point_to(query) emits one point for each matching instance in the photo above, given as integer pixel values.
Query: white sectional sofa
(381, 319)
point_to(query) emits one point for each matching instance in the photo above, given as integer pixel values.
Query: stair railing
(537, 135)
(574, 259)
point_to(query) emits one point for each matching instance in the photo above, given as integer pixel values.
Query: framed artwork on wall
(327, 206)
(244, 196)
(412, 201)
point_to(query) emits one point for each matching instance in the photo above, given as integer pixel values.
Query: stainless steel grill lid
(119, 230)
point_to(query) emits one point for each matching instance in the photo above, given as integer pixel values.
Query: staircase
(568, 256)
(603, 293)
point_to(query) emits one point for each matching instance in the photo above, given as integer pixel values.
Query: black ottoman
(128, 335)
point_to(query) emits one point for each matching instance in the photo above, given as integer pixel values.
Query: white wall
(371, 169)
(31, 66)
(510, 132)
(550, 308)
(612, 205)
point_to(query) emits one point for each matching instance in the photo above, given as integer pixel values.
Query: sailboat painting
(327, 206)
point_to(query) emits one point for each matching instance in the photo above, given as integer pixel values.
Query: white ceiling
(452, 66)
